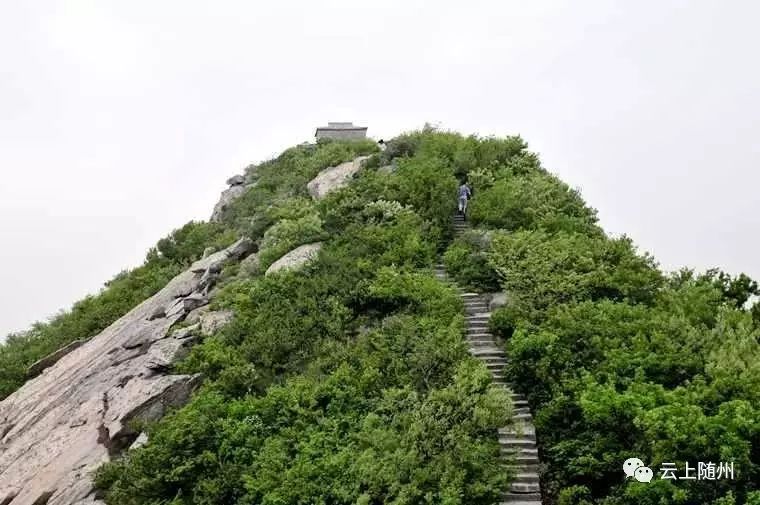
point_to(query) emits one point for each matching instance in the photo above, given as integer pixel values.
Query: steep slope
(69, 420)
(330, 365)
(518, 441)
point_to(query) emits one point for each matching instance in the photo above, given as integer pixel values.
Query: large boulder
(333, 178)
(236, 180)
(61, 425)
(295, 258)
(250, 265)
(228, 196)
(211, 322)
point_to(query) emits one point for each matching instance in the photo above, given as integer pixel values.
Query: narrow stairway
(518, 441)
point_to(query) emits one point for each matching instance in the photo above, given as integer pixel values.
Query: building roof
(341, 126)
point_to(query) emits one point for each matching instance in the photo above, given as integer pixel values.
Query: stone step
(477, 321)
(521, 498)
(476, 308)
(493, 358)
(482, 341)
(481, 327)
(480, 352)
(486, 351)
(521, 451)
(525, 487)
(496, 366)
(475, 345)
(533, 467)
(478, 332)
(526, 477)
(522, 417)
(519, 460)
(522, 463)
(516, 442)
(511, 430)
(521, 410)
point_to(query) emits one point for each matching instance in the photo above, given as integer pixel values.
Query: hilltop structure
(341, 131)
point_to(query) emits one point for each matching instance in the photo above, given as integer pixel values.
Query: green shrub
(288, 234)
(466, 260)
(429, 187)
(542, 270)
(535, 200)
(345, 382)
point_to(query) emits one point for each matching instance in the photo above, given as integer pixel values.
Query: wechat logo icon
(634, 467)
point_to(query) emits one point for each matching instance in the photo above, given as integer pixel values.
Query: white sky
(120, 121)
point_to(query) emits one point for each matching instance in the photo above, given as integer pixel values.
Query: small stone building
(341, 131)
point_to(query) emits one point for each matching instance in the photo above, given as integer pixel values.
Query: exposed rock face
(228, 196)
(63, 424)
(49, 360)
(333, 178)
(295, 258)
(236, 180)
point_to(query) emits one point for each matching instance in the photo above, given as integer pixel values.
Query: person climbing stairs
(517, 441)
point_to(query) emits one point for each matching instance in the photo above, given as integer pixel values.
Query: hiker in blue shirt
(465, 193)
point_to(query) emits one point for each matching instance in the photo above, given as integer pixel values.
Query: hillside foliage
(349, 381)
(346, 382)
(618, 360)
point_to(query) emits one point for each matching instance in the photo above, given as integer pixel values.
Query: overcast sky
(120, 121)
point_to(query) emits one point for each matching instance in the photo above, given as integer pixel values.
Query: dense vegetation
(348, 382)
(618, 360)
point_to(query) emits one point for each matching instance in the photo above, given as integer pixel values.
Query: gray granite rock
(236, 180)
(250, 265)
(140, 441)
(211, 322)
(333, 178)
(38, 366)
(228, 196)
(61, 425)
(295, 258)
(186, 331)
(194, 317)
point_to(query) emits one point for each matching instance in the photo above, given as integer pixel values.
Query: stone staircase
(518, 441)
